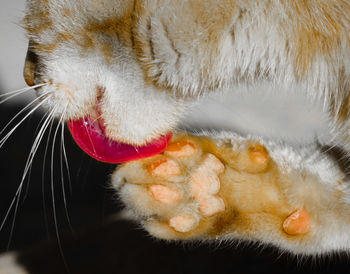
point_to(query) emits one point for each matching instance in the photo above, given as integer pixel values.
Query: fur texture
(258, 196)
(144, 63)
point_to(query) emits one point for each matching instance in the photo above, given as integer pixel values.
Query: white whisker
(22, 89)
(62, 154)
(91, 142)
(36, 132)
(53, 190)
(21, 111)
(17, 197)
(43, 178)
(4, 139)
(37, 142)
(12, 96)
(28, 163)
(27, 168)
(66, 158)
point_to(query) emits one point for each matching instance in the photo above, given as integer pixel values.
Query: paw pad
(297, 223)
(212, 163)
(210, 205)
(196, 188)
(183, 223)
(205, 184)
(164, 168)
(164, 194)
(181, 149)
(258, 154)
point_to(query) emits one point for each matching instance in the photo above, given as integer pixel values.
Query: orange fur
(319, 28)
(246, 203)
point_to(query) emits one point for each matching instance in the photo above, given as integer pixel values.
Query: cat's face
(86, 54)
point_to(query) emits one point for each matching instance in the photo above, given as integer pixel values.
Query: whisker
(17, 197)
(38, 139)
(28, 168)
(36, 132)
(43, 179)
(53, 192)
(12, 96)
(91, 142)
(4, 139)
(62, 174)
(27, 185)
(28, 163)
(66, 159)
(22, 89)
(22, 110)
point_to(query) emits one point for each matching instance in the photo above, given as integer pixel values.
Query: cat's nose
(30, 66)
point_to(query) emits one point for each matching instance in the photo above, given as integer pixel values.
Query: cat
(123, 74)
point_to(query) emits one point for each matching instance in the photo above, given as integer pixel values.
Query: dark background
(95, 241)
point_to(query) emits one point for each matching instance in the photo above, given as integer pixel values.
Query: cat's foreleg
(230, 188)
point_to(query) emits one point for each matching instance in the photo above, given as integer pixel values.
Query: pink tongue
(90, 137)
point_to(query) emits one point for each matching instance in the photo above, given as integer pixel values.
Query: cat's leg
(239, 188)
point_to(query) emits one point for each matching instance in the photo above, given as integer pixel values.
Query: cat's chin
(91, 138)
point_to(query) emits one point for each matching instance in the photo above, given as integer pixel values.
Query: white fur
(9, 265)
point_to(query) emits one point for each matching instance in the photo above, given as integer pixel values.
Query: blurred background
(12, 47)
(65, 219)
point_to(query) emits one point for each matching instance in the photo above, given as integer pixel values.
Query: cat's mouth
(91, 138)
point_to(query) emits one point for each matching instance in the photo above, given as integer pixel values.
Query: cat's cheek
(139, 131)
(71, 88)
(137, 119)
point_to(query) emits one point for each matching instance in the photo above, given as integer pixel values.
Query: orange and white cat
(136, 67)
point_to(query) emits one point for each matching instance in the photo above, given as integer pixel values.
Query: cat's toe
(205, 185)
(297, 223)
(164, 168)
(164, 194)
(181, 149)
(176, 192)
(183, 223)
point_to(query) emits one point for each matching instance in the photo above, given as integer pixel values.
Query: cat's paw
(197, 189)
(175, 193)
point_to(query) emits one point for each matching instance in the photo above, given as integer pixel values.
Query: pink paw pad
(212, 163)
(181, 149)
(297, 223)
(183, 223)
(164, 194)
(258, 154)
(164, 168)
(210, 205)
(204, 182)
